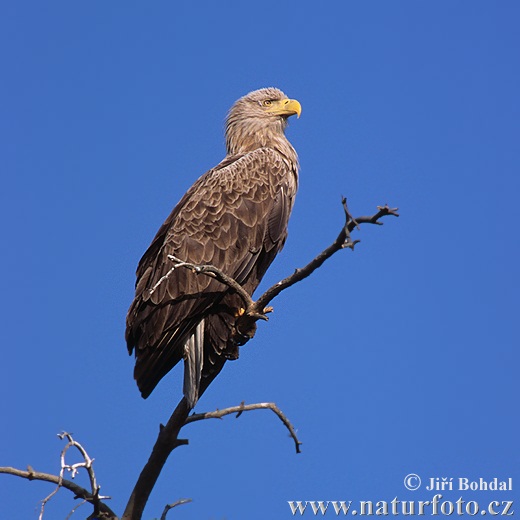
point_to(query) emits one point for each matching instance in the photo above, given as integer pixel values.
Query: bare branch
(213, 272)
(257, 310)
(167, 439)
(50, 495)
(241, 408)
(167, 507)
(87, 464)
(342, 241)
(245, 327)
(75, 508)
(79, 492)
(92, 497)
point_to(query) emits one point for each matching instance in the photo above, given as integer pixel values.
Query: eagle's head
(258, 120)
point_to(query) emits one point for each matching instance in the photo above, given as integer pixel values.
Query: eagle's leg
(245, 324)
(244, 329)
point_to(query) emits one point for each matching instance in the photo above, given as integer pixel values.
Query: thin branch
(241, 408)
(75, 508)
(342, 241)
(92, 497)
(257, 310)
(50, 495)
(212, 272)
(167, 507)
(168, 440)
(79, 492)
(87, 464)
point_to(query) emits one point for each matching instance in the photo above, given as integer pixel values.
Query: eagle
(235, 218)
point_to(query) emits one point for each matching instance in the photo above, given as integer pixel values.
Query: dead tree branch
(257, 310)
(79, 492)
(93, 497)
(241, 408)
(211, 271)
(343, 240)
(167, 439)
(167, 507)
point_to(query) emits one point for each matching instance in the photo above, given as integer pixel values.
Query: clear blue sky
(401, 357)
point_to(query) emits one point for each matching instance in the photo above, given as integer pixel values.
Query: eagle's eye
(267, 103)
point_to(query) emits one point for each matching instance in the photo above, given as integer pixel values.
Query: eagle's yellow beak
(285, 107)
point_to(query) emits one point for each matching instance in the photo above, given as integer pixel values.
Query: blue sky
(401, 357)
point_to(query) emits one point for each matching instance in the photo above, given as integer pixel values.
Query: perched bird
(234, 217)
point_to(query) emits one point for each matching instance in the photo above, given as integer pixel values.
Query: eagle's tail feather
(193, 361)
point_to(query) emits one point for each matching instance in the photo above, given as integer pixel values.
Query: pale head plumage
(253, 123)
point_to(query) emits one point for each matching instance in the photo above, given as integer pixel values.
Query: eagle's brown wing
(234, 217)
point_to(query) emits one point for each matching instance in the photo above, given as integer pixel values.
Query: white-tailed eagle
(234, 217)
